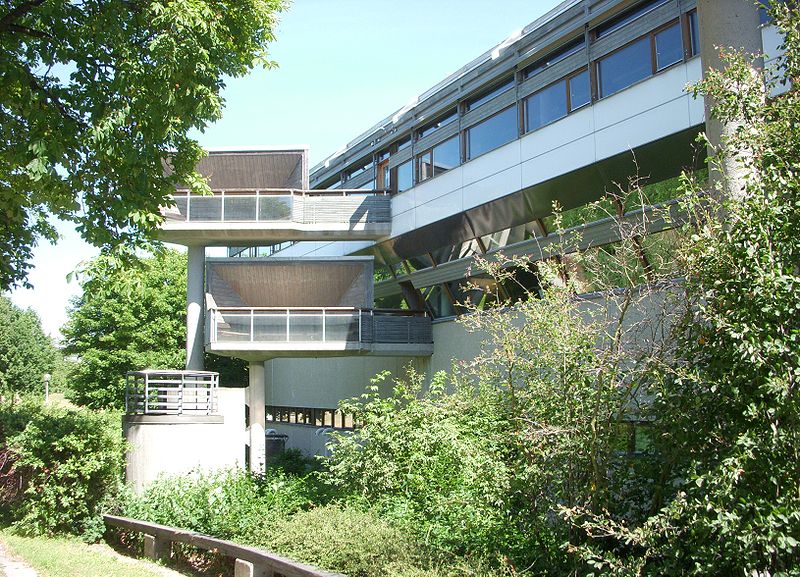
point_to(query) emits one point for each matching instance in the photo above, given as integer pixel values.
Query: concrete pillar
(156, 548)
(244, 568)
(726, 24)
(256, 402)
(195, 307)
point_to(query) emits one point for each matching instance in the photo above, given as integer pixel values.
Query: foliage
(26, 353)
(727, 406)
(432, 462)
(70, 462)
(96, 96)
(128, 320)
(226, 504)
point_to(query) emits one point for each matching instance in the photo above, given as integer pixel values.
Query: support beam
(256, 402)
(729, 24)
(156, 548)
(195, 318)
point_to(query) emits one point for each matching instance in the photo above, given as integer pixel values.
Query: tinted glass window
(669, 47)
(567, 50)
(694, 33)
(405, 176)
(546, 106)
(487, 96)
(625, 67)
(580, 92)
(401, 144)
(425, 166)
(493, 132)
(446, 156)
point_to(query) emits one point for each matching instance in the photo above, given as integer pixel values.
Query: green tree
(96, 96)
(131, 319)
(727, 405)
(26, 353)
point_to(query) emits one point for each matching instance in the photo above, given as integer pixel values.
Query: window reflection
(405, 176)
(580, 91)
(625, 67)
(546, 106)
(493, 132)
(669, 47)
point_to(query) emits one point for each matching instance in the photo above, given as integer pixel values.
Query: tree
(26, 353)
(727, 406)
(97, 97)
(131, 319)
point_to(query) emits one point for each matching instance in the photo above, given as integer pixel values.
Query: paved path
(11, 567)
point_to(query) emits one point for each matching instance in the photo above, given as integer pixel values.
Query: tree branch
(7, 21)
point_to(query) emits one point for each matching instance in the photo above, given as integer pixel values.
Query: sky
(343, 65)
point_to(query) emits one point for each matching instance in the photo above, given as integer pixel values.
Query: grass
(64, 557)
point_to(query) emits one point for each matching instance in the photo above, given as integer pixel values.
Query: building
(557, 113)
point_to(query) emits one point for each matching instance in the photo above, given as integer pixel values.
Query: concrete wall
(176, 445)
(323, 382)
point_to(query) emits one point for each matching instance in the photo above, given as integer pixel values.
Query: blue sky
(343, 66)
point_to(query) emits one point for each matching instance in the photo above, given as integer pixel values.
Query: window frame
(567, 99)
(466, 131)
(654, 70)
(429, 150)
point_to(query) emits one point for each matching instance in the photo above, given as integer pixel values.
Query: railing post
(188, 204)
(287, 325)
(146, 392)
(222, 206)
(258, 205)
(323, 325)
(252, 321)
(180, 394)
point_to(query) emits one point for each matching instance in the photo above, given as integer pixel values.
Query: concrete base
(176, 445)
(246, 569)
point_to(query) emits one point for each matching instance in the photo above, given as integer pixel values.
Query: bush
(70, 462)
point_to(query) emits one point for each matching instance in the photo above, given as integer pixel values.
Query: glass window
(625, 67)
(404, 143)
(694, 33)
(425, 168)
(487, 96)
(437, 124)
(405, 176)
(558, 55)
(336, 184)
(492, 132)
(446, 156)
(580, 92)
(669, 46)
(626, 17)
(546, 106)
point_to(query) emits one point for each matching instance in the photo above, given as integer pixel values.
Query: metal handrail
(171, 392)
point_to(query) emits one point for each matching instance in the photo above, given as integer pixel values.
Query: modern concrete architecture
(358, 264)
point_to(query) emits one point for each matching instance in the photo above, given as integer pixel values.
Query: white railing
(281, 205)
(167, 392)
(317, 325)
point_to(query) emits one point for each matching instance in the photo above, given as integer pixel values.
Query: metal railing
(171, 392)
(318, 325)
(281, 205)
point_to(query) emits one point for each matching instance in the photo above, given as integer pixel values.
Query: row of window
(333, 418)
(636, 61)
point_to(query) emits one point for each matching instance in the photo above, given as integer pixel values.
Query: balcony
(185, 393)
(242, 216)
(258, 333)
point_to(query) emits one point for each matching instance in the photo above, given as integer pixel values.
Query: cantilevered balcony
(256, 333)
(241, 216)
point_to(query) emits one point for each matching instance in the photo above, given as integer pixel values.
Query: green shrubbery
(68, 463)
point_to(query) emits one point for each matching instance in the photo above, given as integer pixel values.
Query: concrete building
(580, 100)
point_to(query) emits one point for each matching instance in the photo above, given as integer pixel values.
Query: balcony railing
(318, 325)
(171, 393)
(281, 206)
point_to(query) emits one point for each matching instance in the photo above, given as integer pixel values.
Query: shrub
(70, 462)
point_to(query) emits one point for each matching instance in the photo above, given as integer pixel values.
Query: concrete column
(256, 402)
(156, 548)
(726, 24)
(195, 307)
